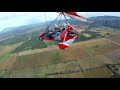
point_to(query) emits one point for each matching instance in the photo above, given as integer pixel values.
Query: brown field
(6, 48)
(95, 73)
(29, 52)
(1, 53)
(83, 52)
(62, 70)
(116, 33)
(96, 61)
(8, 63)
(115, 36)
(71, 75)
(115, 56)
(33, 60)
(99, 73)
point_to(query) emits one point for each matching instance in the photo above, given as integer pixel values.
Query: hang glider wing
(74, 15)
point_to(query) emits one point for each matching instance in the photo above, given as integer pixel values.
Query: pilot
(57, 32)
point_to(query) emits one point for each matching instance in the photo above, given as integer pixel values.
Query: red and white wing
(74, 15)
(66, 44)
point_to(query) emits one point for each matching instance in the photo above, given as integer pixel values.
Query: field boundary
(113, 41)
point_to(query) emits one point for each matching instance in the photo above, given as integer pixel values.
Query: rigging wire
(65, 17)
(53, 22)
(46, 19)
(59, 20)
(67, 23)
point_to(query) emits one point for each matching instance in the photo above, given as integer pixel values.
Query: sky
(12, 19)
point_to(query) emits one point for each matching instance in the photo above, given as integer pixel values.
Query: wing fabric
(74, 15)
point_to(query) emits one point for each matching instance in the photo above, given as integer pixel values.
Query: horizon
(27, 18)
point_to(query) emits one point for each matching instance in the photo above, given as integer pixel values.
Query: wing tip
(63, 46)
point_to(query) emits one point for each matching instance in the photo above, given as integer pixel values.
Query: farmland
(65, 64)
(33, 43)
(88, 57)
(115, 36)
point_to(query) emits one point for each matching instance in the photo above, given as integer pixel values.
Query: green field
(33, 43)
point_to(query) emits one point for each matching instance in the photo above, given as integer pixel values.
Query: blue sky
(12, 19)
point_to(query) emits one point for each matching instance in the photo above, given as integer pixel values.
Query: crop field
(33, 43)
(83, 51)
(8, 63)
(61, 70)
(40, 59)
(115, 36)
(6, 51)
(74, 62)
(85, 59)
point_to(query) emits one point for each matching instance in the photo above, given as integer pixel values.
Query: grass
(91, 48)
(55, 55)
(98, 73)
(37, 59)
(89, 51)
(23, 58)
(33, 43)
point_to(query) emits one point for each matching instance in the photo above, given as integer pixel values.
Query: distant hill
(20, 29)
(107, 21)
(102, 18)
(23, 28)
